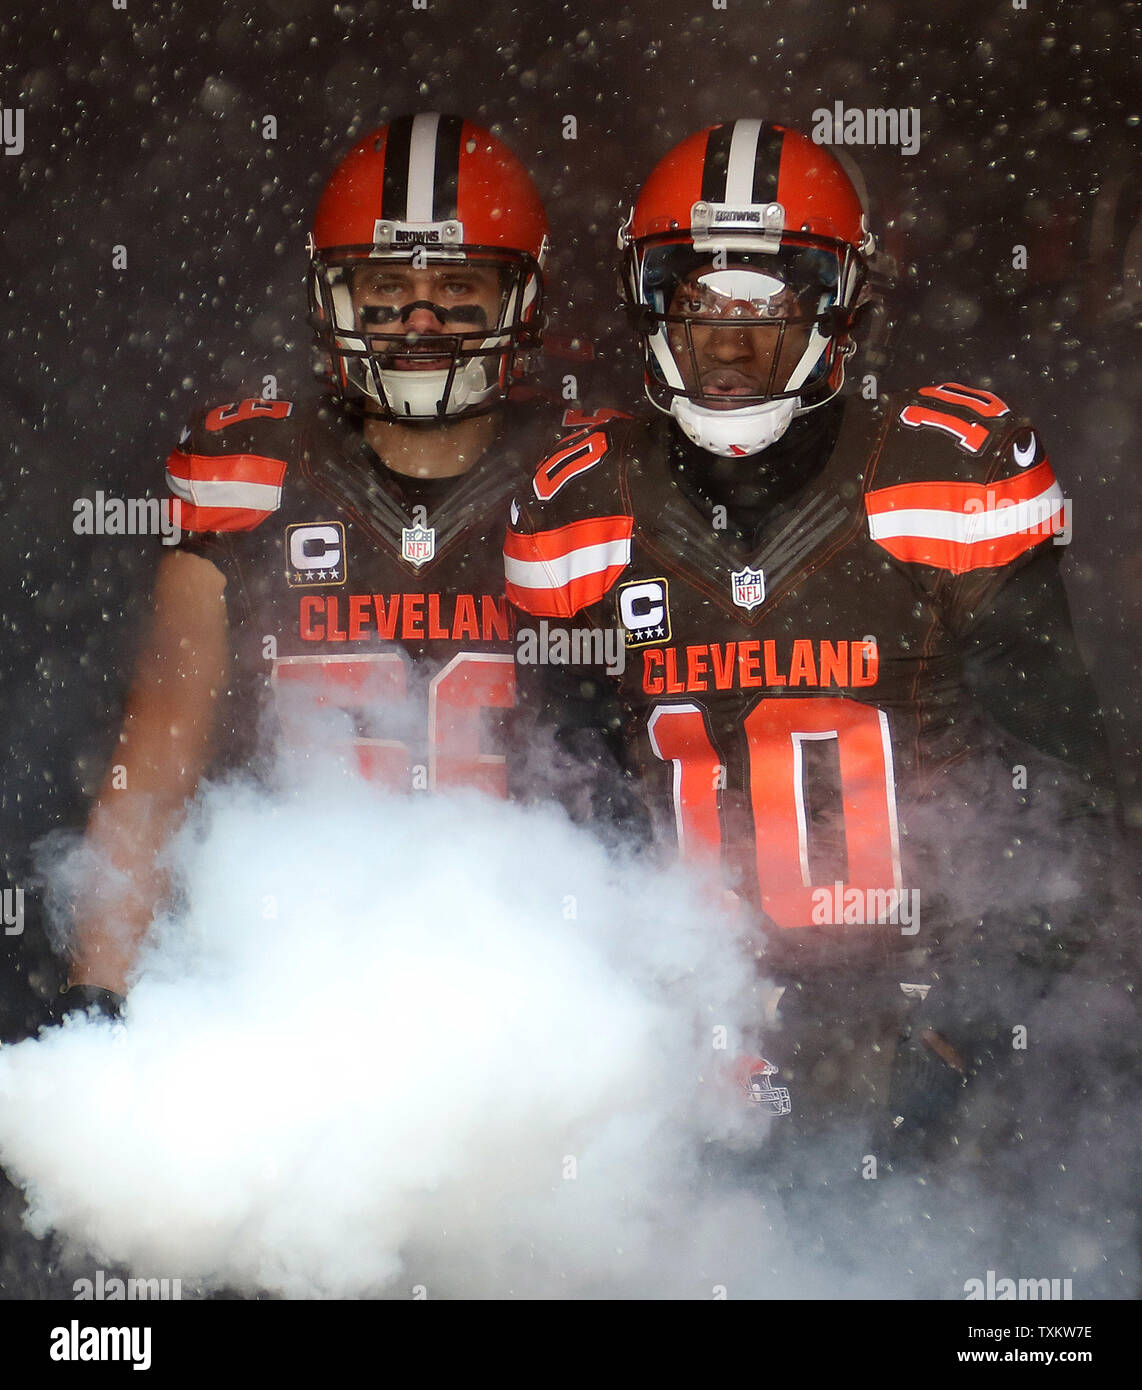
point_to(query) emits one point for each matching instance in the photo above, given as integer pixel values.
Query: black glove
(929, 1076)
(82, 999)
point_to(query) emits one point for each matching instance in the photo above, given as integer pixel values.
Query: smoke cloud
(394, 1042)
(448, 1046)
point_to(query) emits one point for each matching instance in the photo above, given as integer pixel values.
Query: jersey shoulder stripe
(225, 492)
(559, 572)
(226, 473)
(965, 483)
(570, 534)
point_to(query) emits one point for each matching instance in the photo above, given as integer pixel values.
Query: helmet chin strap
(734, 433)
(731, 433)
(417, 395)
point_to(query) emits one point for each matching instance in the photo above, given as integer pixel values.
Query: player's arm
(1023, 665)
(966, 499)
(991, 567)
(164, 745)
(1024, 668)
(569, 729)
(568, 542)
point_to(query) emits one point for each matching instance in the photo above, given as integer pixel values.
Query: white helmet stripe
(422, 166)
(739, 171)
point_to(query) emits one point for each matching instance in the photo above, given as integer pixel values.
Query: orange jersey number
(776, 731)
(457, 695)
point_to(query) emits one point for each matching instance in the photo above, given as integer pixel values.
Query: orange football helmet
(426, 191)
(753, 223)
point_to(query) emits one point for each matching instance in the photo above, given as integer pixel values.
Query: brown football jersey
(371, 606)
(794, 704)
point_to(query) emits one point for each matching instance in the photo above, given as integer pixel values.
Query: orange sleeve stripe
(555, 574)
(225, 492)
(226, 468)
(966, 526)
(555, 544)
(566, 600)
(957, 557)
(962, 498)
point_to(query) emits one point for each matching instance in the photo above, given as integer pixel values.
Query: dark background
(144, 128)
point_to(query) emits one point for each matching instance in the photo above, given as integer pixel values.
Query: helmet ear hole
(641, 318)
(835, 321)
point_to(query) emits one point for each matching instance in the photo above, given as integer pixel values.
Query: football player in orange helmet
(835, 612)
(744, 261)
(426, 284)
(362, 526)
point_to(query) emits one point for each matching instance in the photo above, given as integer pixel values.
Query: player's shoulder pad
(569, 534)
(580, 468)
(227, 469)
(962, 481)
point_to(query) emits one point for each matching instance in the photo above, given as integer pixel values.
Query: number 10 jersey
(795, 706)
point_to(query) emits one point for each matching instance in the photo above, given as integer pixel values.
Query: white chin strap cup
(416, 395)
(734, 433)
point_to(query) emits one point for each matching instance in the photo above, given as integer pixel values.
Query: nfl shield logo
(748, 588)
(418, 544)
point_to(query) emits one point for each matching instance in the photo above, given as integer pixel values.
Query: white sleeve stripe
(936, 523)
(257, 497)
(577, 564)
(178, 486)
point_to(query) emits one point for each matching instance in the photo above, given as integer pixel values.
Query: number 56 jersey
(367, 607)
(793, 704)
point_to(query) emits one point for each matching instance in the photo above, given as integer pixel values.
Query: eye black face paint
(379, 315)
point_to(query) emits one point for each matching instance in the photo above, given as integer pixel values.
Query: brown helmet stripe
(445, 184)
(716, 163)
(394, 190)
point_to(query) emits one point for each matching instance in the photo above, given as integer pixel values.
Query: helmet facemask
(788, 297)
(369, 352)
